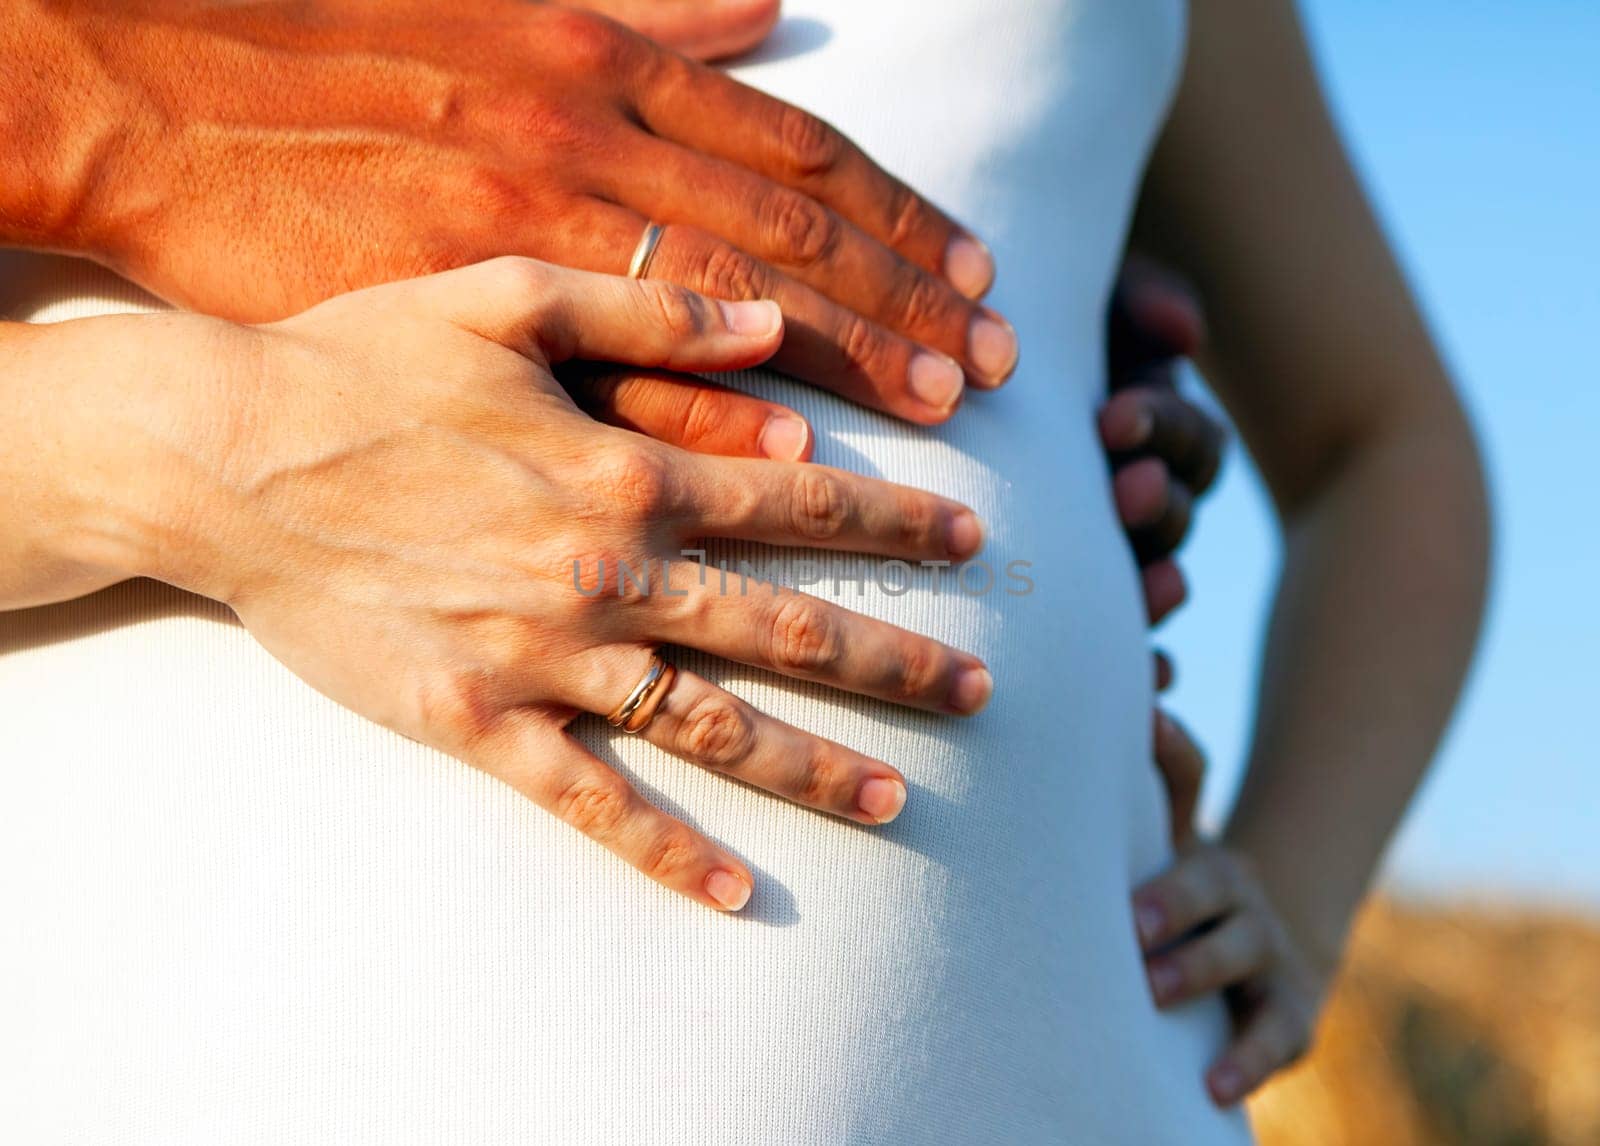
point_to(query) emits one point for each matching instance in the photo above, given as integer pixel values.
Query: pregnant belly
(248, 915)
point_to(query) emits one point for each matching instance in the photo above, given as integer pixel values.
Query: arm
(1318, 351)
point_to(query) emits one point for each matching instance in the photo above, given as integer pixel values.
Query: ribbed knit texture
(237, 913)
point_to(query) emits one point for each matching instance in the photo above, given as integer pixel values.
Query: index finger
(701, 108)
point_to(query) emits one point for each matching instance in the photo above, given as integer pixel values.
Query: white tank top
(235, 912)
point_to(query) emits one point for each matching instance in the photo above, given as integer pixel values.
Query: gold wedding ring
(645, 252)
(635, 713)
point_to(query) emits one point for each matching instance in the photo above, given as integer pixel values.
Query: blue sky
(1477, 129)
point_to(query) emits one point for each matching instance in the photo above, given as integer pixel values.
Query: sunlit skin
(397, 139)
(391, 490)
(564, 133)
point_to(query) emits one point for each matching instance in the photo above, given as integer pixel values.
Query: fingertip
(760, 319)
(1226, 1082)
(972, 689)
(880, 799)
(1142, 491)
(1166, 309)
(732, 28)
(1149, 919)
(969, 265)
(786, 438)
(936, 381)
(993, 348)
(966, 534)
(1166, 981)
(729, 890)
(1166, 671)
(1164, 589)
(1126, 421)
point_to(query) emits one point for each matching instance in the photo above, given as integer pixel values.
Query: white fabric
(236, 913)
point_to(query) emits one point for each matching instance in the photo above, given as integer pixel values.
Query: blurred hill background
(1452, 1027)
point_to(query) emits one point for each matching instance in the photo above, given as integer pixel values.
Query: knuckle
(811, 146)
(596, 807)
(678, 310)
(804, 636)
(923, 300)
(820, 779)
(717, 733)
(819, 504)
(515, 275)
(633, 482)
(907, 215)
(590, 44)
(920, 669)
(484, 192)
(731, 274)
(919, 523)
(863, 346)
(703, 416)
(803, 230)
(670, 854)
(463, 707)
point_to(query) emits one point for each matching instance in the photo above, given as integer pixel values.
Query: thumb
(703, 29)
(556, 314)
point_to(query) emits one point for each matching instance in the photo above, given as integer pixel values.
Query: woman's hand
(1207, 925)
(401, 504)
(366, 142)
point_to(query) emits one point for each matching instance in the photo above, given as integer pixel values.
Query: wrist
(128, 479)
(1318, 922)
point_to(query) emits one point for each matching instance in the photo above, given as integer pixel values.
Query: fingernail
(881, 799)
(969, 266)
(992, 345)
(1227, 1082)
(935, 380)
(730, 892)
(784, 438)
(972, 690)
(966, 534)
(1165, 980)
(1150, 921)
(758, 319)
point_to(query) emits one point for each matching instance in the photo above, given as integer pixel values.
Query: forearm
(98, 449)
(1373, 629)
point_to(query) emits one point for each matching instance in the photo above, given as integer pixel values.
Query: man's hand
(251, 160)
(1165, 450)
